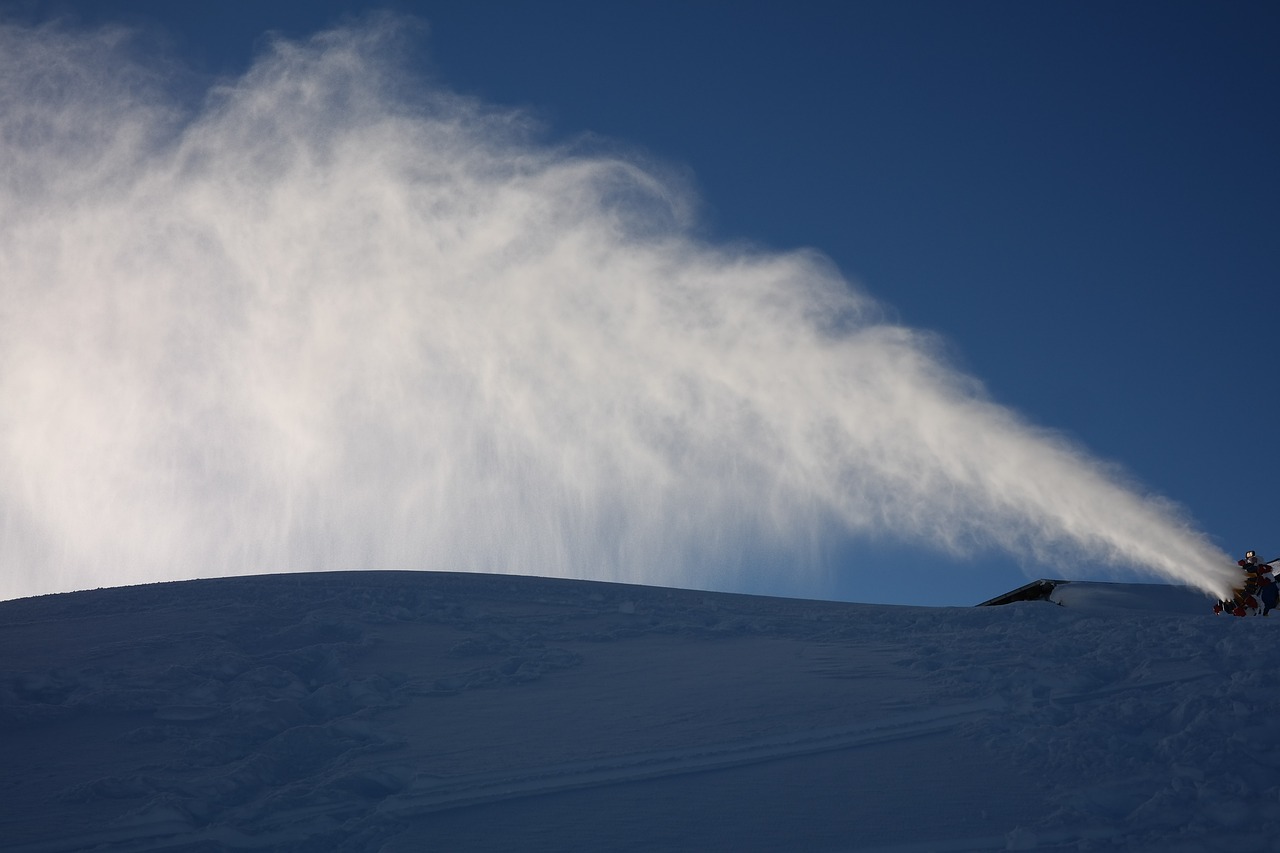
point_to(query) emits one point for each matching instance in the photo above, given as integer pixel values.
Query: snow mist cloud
(333, 317)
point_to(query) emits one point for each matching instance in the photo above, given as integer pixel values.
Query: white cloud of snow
(335, 317)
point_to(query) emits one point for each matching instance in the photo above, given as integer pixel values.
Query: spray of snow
(335, 317)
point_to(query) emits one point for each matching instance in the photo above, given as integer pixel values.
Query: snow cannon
(1257, 593)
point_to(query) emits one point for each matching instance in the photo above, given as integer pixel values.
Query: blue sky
(1080, 198)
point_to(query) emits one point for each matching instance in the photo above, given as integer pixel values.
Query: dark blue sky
(1080, 198)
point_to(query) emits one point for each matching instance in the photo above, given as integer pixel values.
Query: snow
(402, 711)
(1158, 598)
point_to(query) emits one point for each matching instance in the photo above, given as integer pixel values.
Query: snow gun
(1258, 583)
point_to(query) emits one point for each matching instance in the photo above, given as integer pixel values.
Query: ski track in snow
(483, 788)
(366, 711)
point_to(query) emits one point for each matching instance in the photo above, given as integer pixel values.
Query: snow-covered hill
(421, 711)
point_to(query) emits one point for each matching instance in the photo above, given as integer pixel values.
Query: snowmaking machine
(1257, 593)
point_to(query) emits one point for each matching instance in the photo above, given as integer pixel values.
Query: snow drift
(404, 711)
(328, 315)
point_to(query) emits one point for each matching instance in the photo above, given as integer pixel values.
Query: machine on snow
(1258, 593)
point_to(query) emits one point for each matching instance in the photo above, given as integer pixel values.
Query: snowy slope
(1129, 597)
(419, 711)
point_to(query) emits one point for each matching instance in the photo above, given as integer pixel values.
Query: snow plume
(334, 317)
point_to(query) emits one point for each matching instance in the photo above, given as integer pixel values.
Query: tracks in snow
(434, 794)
